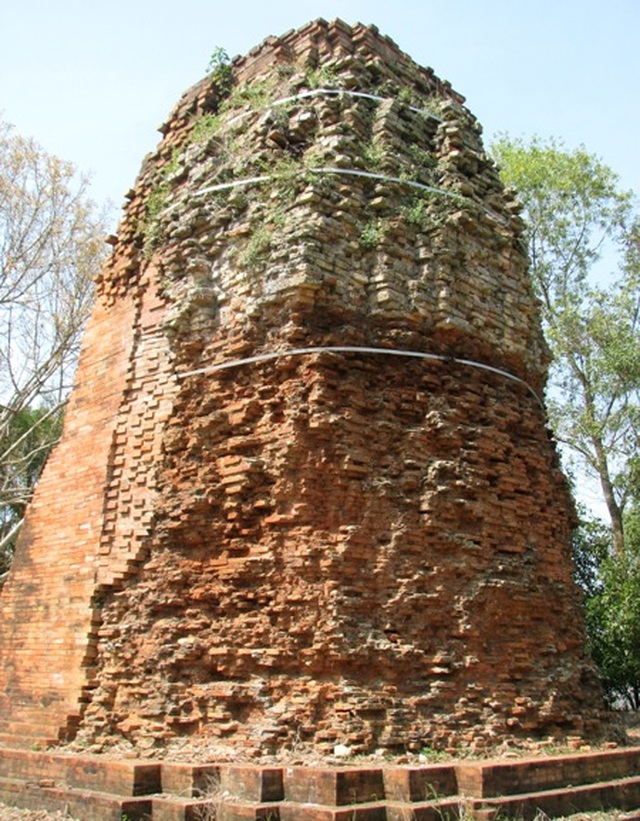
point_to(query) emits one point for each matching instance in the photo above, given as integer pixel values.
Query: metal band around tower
(266, 357)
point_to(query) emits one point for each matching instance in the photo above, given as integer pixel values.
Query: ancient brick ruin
(305, 492)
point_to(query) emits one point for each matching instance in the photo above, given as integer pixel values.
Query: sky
(92, 81)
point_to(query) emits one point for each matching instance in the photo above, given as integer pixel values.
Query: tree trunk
(613, 508)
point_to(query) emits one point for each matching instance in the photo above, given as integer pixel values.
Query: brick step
(353, 785)
(126, 777)
(622, 794)
(25, 726)
(174, 808)
(32, 711)
(27, 714)
(448, 809)
(252, 783)
(338, 785)
(233, 810)
(26, 741)
(420, 783)
(95, 787)
(292, 811)
(178, 808)
(85, 805)
(436, 810)
(493, 778)
(20, 731)
(189, 780)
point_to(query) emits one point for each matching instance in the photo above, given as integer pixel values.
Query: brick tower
(305, 491)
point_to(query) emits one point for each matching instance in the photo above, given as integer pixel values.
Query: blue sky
(91, 81)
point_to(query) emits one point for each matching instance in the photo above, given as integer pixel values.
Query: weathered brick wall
(376, 556)
(46, 612)
(331, 547)
(93, 506)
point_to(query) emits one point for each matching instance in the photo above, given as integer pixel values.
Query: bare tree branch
(51, 249)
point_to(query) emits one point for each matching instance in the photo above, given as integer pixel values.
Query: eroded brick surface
(331, 547)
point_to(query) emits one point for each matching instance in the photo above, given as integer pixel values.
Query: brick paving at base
(558, 786)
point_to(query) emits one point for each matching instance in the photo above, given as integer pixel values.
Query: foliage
(220, 68)
(51, 248)
(371, 234)
(256, 248)
(256, 95)
(288, 175)
(205, 126)
(416, 212)
(373, 156)
(580, 227)
(324, 76)
(285, 178)
(613, 625)
(591, 546)
(158, 199)
(577, 220)
(24, 447)
(421, 158)
(433, 755)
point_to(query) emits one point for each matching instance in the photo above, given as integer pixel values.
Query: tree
(613, 627)
(611, 583)
(577, 219)
(51, 247)
(25, 446)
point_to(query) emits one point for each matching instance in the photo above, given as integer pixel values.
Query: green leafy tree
(591, 546)
(578, 221)
(613, 626)
(25, 446)
(611, 583)
(51, 247)
(582, 229)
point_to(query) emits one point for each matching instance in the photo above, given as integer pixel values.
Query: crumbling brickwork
(268, 522)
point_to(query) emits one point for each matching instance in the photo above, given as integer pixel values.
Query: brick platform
(97, 789)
